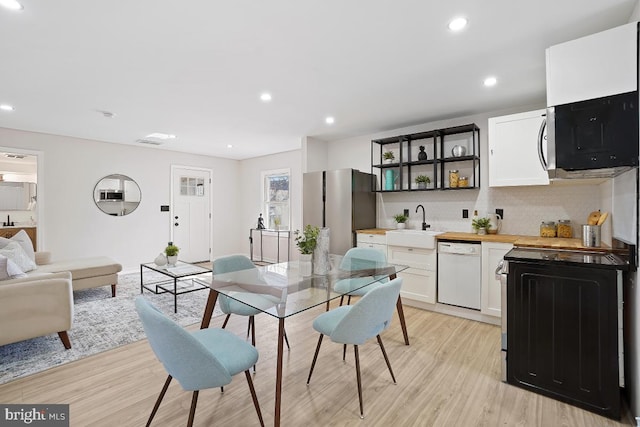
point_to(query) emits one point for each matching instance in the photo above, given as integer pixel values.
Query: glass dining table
(281, 291)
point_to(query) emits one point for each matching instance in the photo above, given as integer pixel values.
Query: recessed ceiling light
(6, 107)
(11, 4)
(265, 97)
(490, 81)
(458, 24)
(329, 120)
(229, 146)
(163, 136)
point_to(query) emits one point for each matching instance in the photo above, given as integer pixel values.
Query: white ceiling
(197, 68)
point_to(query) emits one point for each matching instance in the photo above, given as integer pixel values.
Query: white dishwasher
(459, 274)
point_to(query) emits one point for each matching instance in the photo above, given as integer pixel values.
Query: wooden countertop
(516, 240)
(381, 231)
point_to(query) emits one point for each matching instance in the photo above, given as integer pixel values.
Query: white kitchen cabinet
(594, 66)
(419, 280)
(513, 150)
(492, 253)
(373, 241)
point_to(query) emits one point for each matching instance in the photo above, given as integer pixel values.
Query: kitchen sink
(425, 239)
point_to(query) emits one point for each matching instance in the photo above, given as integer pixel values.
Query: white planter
(401, 225)
(306, 264)
(172, 260)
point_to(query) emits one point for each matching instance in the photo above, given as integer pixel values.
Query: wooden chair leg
(349, 300)
(252, 327)
(315, 357)
(254, 397)
(226, 319)
(64, 337)
(286, 340)
(344, 352)
(355, 349)
(157, 405)
(113, 290)
(192, 411)
(386, 359)
(403, 324)
(341, 300)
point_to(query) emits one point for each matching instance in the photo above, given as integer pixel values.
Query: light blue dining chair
(205, 358)
(355, 324)
(362, 259)
(231, 306)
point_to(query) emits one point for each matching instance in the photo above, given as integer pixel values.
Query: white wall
(524, 207)
(314, 155)
(72, 226)
(251, 200)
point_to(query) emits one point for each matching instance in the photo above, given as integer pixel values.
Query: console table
(260, 231)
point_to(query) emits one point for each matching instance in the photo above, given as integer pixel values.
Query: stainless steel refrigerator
(341, 200)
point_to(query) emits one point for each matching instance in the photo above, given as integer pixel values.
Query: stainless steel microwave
(116, 195)
(592, 139)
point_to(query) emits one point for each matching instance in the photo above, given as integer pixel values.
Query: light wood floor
(448, 376)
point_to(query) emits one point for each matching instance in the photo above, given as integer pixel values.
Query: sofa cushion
(82, 268)
(14, 252)
(25, 241)
(9, 269)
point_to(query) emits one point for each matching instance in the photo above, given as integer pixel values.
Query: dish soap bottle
(474, 218)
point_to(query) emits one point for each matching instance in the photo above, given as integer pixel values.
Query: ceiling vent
(15, 156)
(148, 142)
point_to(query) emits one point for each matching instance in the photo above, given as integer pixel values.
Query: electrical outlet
(500, 212)
(465, 213)
(406, 213)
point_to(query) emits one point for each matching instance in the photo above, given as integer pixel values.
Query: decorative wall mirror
(117, 195)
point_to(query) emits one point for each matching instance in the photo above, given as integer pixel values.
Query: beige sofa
(86, 273)
(35, 306)
(42, 302)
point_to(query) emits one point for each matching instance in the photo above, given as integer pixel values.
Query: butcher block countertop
(516, 240)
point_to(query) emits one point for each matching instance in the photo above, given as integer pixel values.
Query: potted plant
(480, 225)
(423, 181)
(171, 251)
(388, 156)
(401, 219)
(306, 242)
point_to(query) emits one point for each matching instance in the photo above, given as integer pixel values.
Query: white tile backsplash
(524, 207)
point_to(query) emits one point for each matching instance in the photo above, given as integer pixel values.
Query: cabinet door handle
(410, 249)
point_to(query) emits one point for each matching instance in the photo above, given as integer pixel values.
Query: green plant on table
(307, 240)
(400, 218)
(171, 250)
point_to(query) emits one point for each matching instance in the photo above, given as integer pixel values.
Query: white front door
(191, 213)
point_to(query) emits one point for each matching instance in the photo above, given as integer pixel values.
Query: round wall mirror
(117, 195)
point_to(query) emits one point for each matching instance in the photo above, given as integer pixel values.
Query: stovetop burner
(621, 256)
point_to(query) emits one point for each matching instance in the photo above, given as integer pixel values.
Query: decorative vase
(305, 264)
(160, 260)
(172, 260)
(401, 226)
(422, 155)
(321, 253)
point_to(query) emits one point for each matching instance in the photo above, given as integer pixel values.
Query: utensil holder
(591, 235)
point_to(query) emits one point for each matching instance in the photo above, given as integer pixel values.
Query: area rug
(100, 323)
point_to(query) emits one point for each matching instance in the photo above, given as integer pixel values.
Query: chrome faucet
(424, 223)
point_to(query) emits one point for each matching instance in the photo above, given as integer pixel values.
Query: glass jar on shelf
(463, 181)
(564, 228)
(548, 229)
(454, 178)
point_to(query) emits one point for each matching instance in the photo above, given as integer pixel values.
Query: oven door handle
(499, 269)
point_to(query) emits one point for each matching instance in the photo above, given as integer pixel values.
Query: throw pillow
(9, 269)
(15, 253)
(25, 241)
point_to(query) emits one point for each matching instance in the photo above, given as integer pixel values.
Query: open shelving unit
(399, 175)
